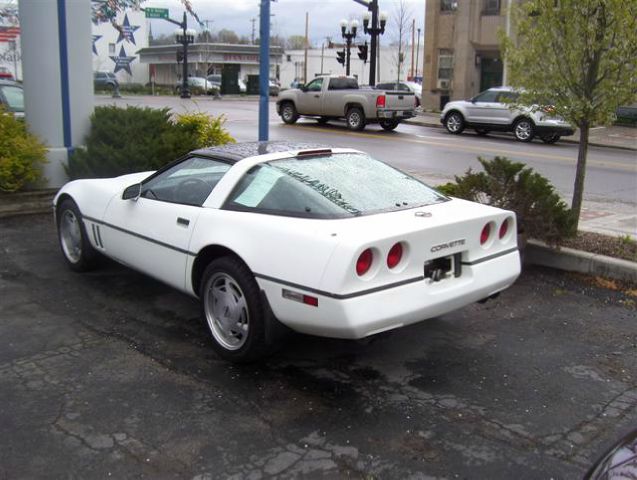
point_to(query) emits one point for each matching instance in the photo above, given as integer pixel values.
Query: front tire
(454, 123)
(233, 310)
(389, 125)
(78, 252)
(524, 130)
(288, 113)
(355, 119)
(550, 138)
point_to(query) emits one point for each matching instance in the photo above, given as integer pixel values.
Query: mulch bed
(619, 247)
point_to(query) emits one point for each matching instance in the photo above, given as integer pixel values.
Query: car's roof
(502, 89)
(238, 151)
(10, 82)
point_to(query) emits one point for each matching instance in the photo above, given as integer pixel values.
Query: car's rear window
(329, 186)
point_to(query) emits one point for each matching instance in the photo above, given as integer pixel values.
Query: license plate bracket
(439, 268)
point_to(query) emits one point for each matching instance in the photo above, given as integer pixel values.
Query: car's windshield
(329, 186)
(14, 97)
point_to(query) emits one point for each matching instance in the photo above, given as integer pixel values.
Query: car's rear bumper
(383, 114)
(359, 316)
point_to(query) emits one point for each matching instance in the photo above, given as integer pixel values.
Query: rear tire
(454, 123)
(289, 114)
(524, 130)
(234, 311)
(389, 125)
(355, 119)
(550, 138)
(78, 252)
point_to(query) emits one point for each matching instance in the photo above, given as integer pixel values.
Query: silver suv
(491, 110)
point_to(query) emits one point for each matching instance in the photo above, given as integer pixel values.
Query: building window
(448, 5)
(288, 58)
(445, 64)
(491, 7)
(111, 49)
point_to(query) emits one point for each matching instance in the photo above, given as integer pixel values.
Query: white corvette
(324, 241)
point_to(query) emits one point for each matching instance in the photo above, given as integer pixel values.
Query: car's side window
(189, 182)
(488, 96)
(315, 85)
(507, 97)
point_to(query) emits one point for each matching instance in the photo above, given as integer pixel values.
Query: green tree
(227, 36)
(579, 56)
(295, 42)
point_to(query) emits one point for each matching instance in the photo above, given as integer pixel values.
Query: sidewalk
(613, 136)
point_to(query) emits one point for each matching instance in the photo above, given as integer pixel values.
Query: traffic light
(340, 57)
(362, 52)
(180, 56)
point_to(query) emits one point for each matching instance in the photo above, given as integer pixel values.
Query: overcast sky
(289, 15)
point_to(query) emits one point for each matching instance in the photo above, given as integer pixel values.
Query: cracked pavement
(111, 374)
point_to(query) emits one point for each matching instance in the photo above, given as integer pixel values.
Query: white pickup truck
(332, 97)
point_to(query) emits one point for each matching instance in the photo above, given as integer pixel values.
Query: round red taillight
(504, 228)
(395, 255)
(364, 262)
(486, 233)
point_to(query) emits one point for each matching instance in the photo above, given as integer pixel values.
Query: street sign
(156, 12)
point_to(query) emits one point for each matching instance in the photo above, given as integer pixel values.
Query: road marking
(405, 137)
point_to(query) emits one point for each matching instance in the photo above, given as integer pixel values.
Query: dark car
(12, 97)
(105, 80)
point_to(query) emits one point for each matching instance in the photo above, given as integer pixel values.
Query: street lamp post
(417, 52)
(184, 36)
(376, 28)
(348, 36)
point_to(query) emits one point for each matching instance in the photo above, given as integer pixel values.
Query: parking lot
(111, 374)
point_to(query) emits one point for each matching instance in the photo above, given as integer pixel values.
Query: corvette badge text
(443, 246)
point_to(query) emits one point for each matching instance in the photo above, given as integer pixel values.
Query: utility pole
(417, 52)
(413, 33)
(207, 31)
(307, 28)
(253, 20)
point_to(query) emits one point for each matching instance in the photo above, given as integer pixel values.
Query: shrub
(21, 154)
(138, 139)
(129, 140)
(208, 130)
(511, 185)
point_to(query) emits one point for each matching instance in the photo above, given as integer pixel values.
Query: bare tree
(401, 22)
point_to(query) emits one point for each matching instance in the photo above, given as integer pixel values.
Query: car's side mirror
(303, 88)
(133, 192)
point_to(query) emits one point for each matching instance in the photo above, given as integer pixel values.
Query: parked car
(413, 87)
(618, 463)
(5, 74)
(198, 83)
(492, 110)
(215, 80)
(324, 241)
(274, 88)
(12, 97)
(105, 80)
(333, 97)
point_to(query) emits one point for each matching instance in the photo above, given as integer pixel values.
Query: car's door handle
(183, 221)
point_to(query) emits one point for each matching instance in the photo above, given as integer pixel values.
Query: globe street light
(348, 36)
(373, 24)
(184, 36)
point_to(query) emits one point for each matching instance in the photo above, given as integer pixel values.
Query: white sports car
(325, 241)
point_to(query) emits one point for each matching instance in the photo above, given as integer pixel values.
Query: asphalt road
(611, 181)
(111, 374)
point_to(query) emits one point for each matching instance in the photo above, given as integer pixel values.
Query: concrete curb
(27, 203)
(434, 124)
(570, 260)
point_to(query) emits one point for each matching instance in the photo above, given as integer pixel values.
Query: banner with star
(122, 61)
(126, 31)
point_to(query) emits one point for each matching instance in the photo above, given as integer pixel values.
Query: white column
(58, 79)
